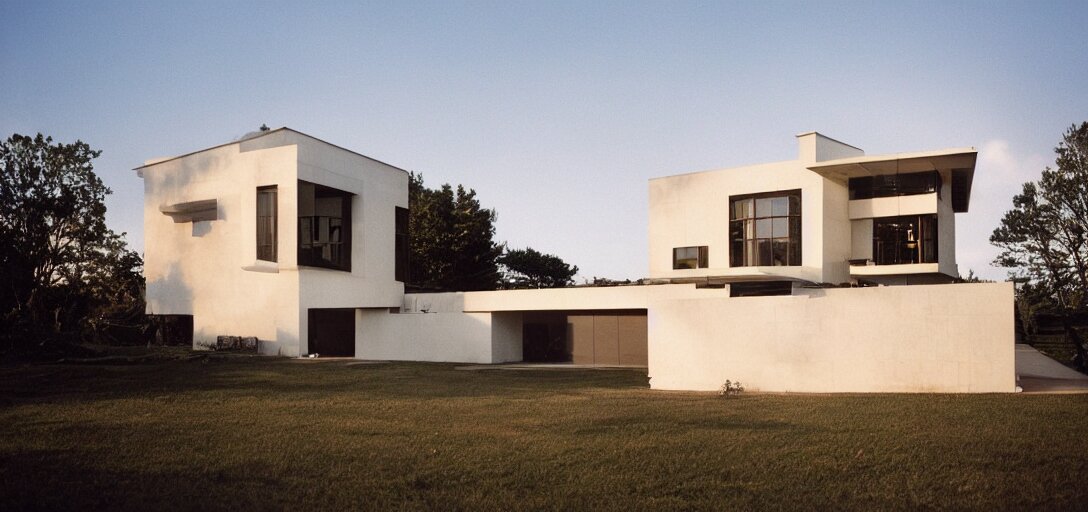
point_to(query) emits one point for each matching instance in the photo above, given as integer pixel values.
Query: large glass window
(689, 257)
(765, 229)
(893, 185)
(904, 240)
(266, 223)
(324, 226)
(400, 272)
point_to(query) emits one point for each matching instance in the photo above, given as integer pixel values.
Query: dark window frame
(751, 247)
(699, 260)
(895, 185)
(906, 240)
(401, 241)
(312, 245)
(268, 224)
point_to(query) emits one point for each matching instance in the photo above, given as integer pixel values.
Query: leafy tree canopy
(527, 268)
(63, 272)
(452, 239)
(1044, 237)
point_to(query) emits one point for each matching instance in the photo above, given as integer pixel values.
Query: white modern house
(831, 272)
(833, 215)
(276, 236)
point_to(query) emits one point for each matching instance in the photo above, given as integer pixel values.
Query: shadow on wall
(179, 180)
(285, 344)
(170, 295)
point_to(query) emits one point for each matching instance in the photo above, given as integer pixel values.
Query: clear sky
(556, 113)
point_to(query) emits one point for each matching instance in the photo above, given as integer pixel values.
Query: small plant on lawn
(731, 388)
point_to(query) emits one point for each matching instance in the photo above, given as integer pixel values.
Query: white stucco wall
(693, 210)
(197, 268)
(893, 206)
(836, 232)
(946, 229)
(861, 239)
(935, 338)
(568, 299)
(210, 269)
(445, 337)
(817, 147)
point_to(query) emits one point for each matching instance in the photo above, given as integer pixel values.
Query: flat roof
(257, 136)
(895, 163)
(960, 162)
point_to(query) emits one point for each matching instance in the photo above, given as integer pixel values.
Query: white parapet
(928, 338)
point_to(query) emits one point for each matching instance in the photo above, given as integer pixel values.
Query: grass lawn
(244, 433)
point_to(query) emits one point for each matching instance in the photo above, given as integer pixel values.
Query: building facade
(769, 274)
(833, 215)
(279, 236)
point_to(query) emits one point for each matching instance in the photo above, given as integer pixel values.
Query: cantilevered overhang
(192, 211)
(959, 162)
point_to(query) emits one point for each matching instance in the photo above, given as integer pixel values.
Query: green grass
(245, 433)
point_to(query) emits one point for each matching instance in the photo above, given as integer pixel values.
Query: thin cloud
(999, 175)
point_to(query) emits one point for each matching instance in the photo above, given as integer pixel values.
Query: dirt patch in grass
(231, 433)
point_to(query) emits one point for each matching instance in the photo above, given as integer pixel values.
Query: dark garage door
(332, 332)
(608, 339)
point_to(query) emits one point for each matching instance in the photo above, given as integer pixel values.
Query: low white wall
(562, 299)
(506, 331)
(445, 337)
(925, 338)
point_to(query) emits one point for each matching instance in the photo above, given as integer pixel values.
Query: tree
(1044, 238)
(452, 239)
(527, 268)
(60, 266)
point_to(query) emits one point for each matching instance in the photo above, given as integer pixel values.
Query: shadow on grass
(55, 479)
(291, 379)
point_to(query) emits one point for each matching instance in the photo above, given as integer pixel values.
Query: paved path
(1041, 374)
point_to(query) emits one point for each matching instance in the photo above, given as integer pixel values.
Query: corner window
(905, 240)
(266, 223)
(894, 185)
(324, 226)
(765, 229)
(400, 272)
(689, 257)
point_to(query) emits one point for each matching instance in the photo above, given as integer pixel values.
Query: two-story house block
(833, 215)
(279, 235)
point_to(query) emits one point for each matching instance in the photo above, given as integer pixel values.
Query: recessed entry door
(332, 332)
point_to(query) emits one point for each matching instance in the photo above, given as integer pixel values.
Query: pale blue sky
(556, 113)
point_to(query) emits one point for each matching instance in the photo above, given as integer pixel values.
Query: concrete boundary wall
(935, 338)
(437, 337)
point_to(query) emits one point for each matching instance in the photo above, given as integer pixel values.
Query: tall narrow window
(765, 229)
(266, 223)
(400, 272)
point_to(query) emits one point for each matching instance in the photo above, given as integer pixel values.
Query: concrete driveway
(1037, 373)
